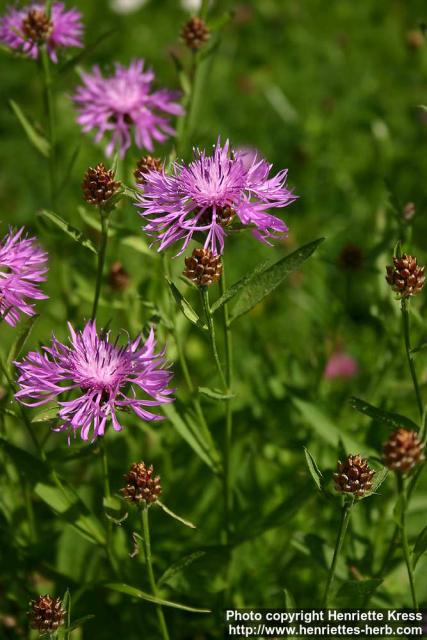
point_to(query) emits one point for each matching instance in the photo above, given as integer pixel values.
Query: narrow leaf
(79, 623)
(420, 546)
(47, 414)
(66, 503)
(214, 394)
(36, 139)
(262, 284)
(388, 418)
(289, 600)
(184, 306)
(175, 516)
(137, 593)
(314, 470)
(23, 335)
(77, 235)
(353, 593)
(178, 566)
(138, 244)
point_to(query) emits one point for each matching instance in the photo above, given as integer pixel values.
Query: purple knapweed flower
(124, 103)
(24, 29)
(208, 194)
(105, 377)
(340, 365)
(23, 264)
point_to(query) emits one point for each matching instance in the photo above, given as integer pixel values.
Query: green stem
(101, 260)
(228, 492)
(50, 119)
(404, 539)
(107, 494)
(345, 518)
(406, 337)
(147, 552)
(211, 329)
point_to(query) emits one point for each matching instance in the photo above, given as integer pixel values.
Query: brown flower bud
(224, 216)
(99, 184)
(354, 476)
(195, 33)
(118, 278)
(144, 165)
(414, 39)
(405, 277)
(203, 267)
(351, 257)
(403, 450)
(141, 485)
(46, 614)
(37, 26)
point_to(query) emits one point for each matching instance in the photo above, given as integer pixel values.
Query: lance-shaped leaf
(420, 546)
(186, 308)
(36, 139)
(215, 394)
(394, 420)
(176, 516)
(353, 593)
(137, 593)
(178, 566)
(314, 470)
(264, 279)
(22, 337)
(77, 235)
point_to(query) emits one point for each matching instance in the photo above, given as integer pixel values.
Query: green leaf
(175, 516)
(183, 304)
(114, 509)
(33, 468)
(353, 593)
(77, 235)
(47, 414)
(327, 430)
(137, 593)
(79, 622)
(195, 441)
(90, 48)
(20, 342)
(391, 419)
(178, 566)
(289, 600)
(232, 291)
(215, 394)
(420, 546)
(314, 470)
(262, 284)
(381, 474)
(137, 243)
(65, 502)
(36, 139)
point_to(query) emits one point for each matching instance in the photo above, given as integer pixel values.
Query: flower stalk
(102, 250)
(406, 337)
(151, 578)
(212, 333)
(50, 120)
(342, 530)
(403, 498)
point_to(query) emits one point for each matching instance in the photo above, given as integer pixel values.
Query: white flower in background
(191, 5)
(127, 6)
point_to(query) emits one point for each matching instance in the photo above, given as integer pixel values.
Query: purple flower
(125, 102)
(23, 264)
(209, 193)
(24, 29)
(106, 377)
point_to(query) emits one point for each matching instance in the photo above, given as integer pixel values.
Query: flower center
(123, 98)
(37, 26)
(224, 216)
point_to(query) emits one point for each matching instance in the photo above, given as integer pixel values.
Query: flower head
(23, 264)
(403, 450)
(104, 377)
(26, 28)
(124, 103)
(354, 475)
(142, 486)
(340, 365)
(406, 277)
(208, 194)
(46, 614)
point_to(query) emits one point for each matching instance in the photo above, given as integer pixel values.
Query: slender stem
(228, 493)
(345, 518)
(404, 538)
(50, 118)
(101, 260)
(147, 552)
(107, 494)
(211, 328)
(406, 337)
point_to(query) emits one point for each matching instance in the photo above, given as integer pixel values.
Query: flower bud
(195, 33)
(141, 485)
(403, 450)
(405, 277)
(354, 476)
(46, 614)
(99, 185)
(144, 165)
(203, 267)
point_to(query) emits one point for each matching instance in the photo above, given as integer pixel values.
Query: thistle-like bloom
(23, 265)
(208, 194)
(124, 103)
(103, 378)
(24, 29)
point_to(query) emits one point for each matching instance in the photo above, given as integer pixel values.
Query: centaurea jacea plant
(104, 378)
